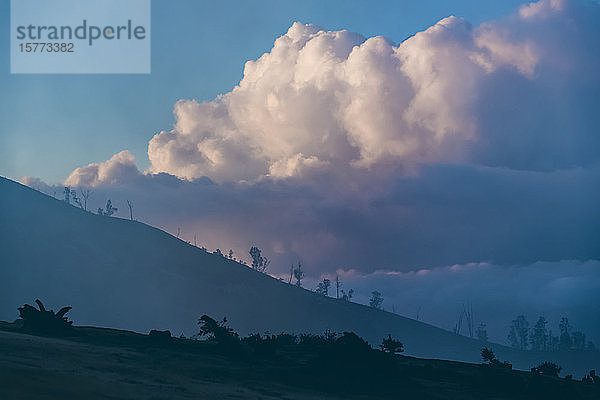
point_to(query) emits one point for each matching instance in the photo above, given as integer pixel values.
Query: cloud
(509, 93)
(497, 293)
(120, 168)
(460, 144)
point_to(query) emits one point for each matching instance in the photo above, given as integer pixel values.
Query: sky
(414, 147)
(54, 123)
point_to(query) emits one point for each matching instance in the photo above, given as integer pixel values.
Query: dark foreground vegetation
(94, 363)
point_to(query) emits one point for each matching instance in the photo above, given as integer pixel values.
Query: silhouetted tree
(553, 341)
(519, 332)
(299, 275)
(347, 296)
(259, 262)
(482, 332)
(488, 355)
(323, 287)
(67, 195)
(376, 300)
(109, 211)
(565, 341)
(469, 319)
(217, 331)
(591, 377)
(392, 346)
(76, 200)
(547, 368)
(218, 252)
(85, 196)
(578, 340)
(130, 206)
(539, 335)
(458, 324)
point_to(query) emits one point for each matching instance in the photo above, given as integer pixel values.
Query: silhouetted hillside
(125, 274)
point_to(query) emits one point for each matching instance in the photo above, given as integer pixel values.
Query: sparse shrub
(259, 262)
(46, 322)
(286, 339)
(488, 355)
(347, 296)
(376, 300)
(330, 336)
(591, 377)
(110, 210)
(217, 332)
(392, 346)
(505, 364)
(323, 287)
(309, 339)
(351, 342)
(547, 368)
(265, 346)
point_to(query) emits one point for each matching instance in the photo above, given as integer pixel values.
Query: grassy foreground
(103, 363)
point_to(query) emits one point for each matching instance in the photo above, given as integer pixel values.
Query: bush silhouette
(327, 338)
(47, 322)
(263, 346)
(488, 355)
(392, 346)
(351, 342)
(591, 377)
(218, 332)
(547, 368)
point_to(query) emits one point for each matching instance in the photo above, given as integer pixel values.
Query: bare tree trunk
(85, 195)
(468, 312)
(130, 205)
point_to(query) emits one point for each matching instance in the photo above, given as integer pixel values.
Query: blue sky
(52, 124)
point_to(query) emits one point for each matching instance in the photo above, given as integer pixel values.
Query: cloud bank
(514, 93)
(460, 144)
(497, 294)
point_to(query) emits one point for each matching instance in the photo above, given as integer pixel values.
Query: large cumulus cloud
(514, 93)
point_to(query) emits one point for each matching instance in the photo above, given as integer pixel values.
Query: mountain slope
(128, 275)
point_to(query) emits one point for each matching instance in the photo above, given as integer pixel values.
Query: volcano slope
(128, 275)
